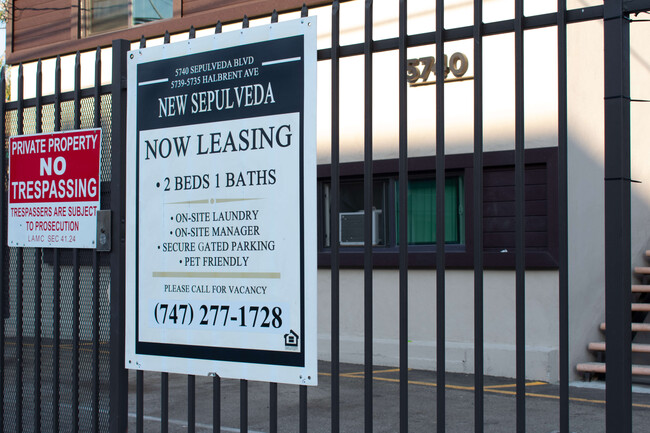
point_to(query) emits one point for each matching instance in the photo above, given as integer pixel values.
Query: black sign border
(215, 353)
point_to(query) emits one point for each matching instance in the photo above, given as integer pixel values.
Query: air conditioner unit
(351, 227)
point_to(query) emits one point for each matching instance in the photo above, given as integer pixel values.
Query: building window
(498, 222)
(385, 214)
(421, 210)
(351, 215)
(102, 16)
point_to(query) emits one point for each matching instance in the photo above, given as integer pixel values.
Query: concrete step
(599, 367)
(641, 288)
(636, 327)
(644, 270)
(637, 306)
(636, 347)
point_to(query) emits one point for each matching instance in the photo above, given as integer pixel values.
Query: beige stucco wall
(541, 333)
(586, 198)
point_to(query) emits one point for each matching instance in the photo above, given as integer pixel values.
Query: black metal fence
(56, 335)
(62, 339)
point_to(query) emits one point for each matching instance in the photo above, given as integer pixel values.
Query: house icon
(291, 339)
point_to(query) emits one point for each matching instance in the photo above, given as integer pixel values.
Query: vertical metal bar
(617, 218)
(39, 93)
(19, 282)
(403, 225)
(56, 277)
(216, 405)
(334, 220)
(303, 409)
(479, 397)
(273, 407)
(440, 218)
(21, 91)
(563, 216)
(273, 387)
(56, 265)
(38, 282)
(243, 406)
(95, 344)
(520, 218)
(56, 319)
(164, 402)
(76, 288)
(4, 249)
(75, 339)
(19, 342)
(191, 403)
(119, 378)
(98, 83)
(57, 94)
(95, 265)
(368, 219)
(77, 91)
(139, 401)
(37, 319)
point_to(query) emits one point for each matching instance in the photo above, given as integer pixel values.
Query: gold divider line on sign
(272, 275)
(213, 200)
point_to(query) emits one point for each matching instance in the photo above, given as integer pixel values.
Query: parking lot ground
(587, 404)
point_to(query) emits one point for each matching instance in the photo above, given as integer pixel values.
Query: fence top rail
(415, 40)
(450, 35)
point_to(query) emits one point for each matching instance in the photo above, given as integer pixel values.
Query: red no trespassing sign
(54, 189)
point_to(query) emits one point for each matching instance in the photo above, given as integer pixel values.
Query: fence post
(118, 374)
(4, 250)
(617, 218)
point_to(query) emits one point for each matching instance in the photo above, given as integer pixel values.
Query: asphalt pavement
(587, 404)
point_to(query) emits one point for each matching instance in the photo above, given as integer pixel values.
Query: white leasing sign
(221, 205)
